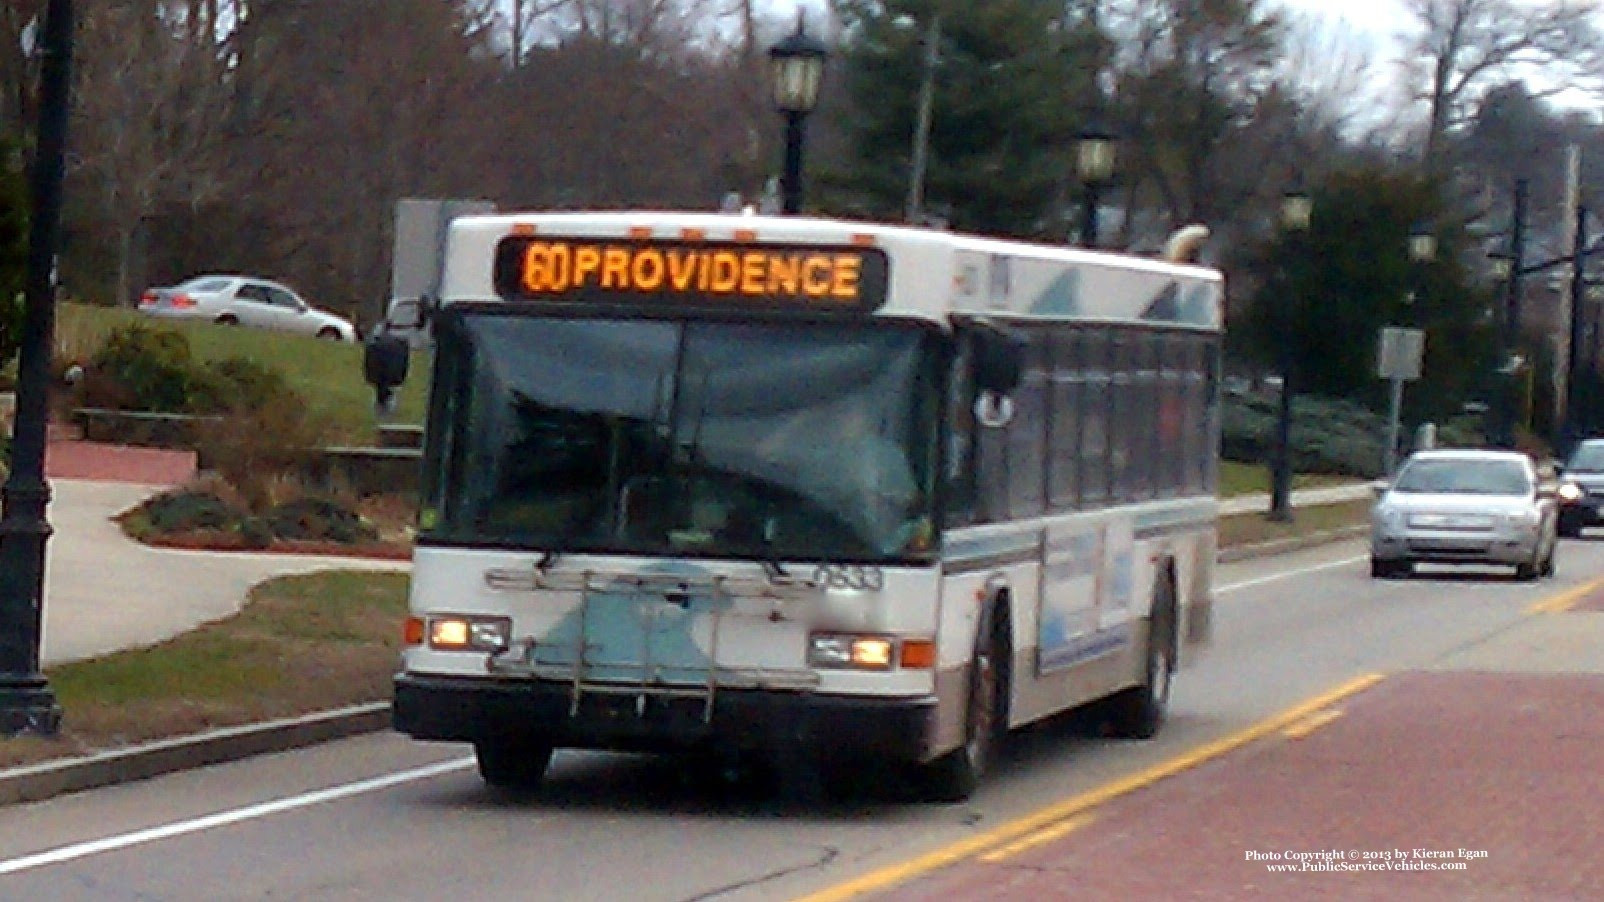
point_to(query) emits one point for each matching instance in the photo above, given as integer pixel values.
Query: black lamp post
(1296, 211)
(26, 703)
(796, 68)
(1094, 164)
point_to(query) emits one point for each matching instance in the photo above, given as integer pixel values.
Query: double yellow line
(1057, 820)
(1564, 601)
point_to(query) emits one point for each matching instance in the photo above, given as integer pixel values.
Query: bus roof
(930, 274)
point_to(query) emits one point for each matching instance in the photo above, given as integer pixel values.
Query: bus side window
(958, 474)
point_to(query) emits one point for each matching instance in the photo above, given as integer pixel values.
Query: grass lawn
(301, 644)
(327, 374)
(1246, 479)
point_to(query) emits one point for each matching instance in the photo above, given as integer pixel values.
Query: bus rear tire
(512, 763)
(954, 776)
(1138, 712)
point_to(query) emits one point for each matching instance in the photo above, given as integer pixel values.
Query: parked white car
(245, 301)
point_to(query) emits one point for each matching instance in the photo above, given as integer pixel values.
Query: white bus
(804, 489)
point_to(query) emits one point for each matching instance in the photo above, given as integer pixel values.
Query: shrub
(140, 368)
(1329, 436)
(252, 448)
(314, 518)
(222, 386)
(181, 511)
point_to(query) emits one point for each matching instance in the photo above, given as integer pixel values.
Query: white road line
(1286, 574)
(224, 818)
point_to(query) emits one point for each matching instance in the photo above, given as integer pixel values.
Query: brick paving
(1505, 764)
(74, 459)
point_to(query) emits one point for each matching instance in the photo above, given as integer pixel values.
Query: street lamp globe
(1094, 153)
(1503, 266)
(796, 67)
(1297, 209)
(1422, 244)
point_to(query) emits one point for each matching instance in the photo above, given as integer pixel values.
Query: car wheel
(1528, 571)
(1384, 569)
(329, 332)
(227, 319)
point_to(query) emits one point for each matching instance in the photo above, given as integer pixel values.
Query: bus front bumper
(463, 709)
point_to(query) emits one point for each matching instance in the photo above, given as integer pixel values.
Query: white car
(245, 301)
(1465, 507)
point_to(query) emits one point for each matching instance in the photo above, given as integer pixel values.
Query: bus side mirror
(999, 360)
(384, 365)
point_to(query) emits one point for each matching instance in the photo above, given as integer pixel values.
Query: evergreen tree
(1338, 284)
(1012, 80)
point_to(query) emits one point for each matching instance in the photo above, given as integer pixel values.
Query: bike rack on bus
(520, 659)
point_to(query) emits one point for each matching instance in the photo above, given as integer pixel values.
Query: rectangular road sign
(1400, 353)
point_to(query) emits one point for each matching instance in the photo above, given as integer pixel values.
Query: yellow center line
(1563, 601)
(1053, 814)
(1035, 839)
(1311, 723)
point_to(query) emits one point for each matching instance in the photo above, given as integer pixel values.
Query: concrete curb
(52, 778)
(43, 781)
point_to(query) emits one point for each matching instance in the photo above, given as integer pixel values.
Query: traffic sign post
(1399, 359)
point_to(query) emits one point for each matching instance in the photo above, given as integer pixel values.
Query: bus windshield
(767, 441)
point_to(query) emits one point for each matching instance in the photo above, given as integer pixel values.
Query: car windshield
(1464, 476)
(205, 284)
(1588, 458)
(651, 437)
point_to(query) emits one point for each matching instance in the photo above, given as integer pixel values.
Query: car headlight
(1570, 491)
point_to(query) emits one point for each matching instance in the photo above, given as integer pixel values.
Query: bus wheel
(954, 776)
(1138, 712)
(516, 763)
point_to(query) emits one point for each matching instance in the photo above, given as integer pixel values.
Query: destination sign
(694, 274)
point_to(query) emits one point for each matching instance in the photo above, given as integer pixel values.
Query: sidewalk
(105, 592)
(1260, 502)
(1475, 780)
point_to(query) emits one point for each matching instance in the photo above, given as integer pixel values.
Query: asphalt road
(381, 817)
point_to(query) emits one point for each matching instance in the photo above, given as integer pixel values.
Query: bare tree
(1191, 75)
(149, 117)
(1465, 47)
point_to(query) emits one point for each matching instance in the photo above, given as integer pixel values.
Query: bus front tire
(512, 763)
(954, 776)
(1138, 712)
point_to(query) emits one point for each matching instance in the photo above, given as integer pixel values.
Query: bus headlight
(851, 652)
(452, 632)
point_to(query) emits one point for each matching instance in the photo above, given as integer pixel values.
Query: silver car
(1464, 507)
(245, 301)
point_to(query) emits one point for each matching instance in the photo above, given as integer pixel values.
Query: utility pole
(1509, 339)
(915, 212)
(1572, 427)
